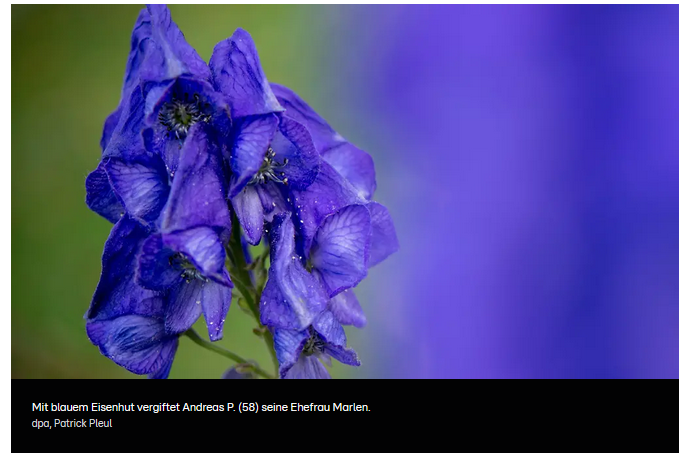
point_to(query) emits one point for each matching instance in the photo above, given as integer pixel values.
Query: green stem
(194, 336)
(245, 285)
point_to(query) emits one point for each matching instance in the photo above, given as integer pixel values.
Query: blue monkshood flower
(186, 257)
(167, 89)
(240, 371)
(126, 321)
(272, 153)
(347, 176)
(301, 353)
(299, 288)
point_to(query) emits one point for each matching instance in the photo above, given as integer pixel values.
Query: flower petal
(117, 293)
(139, 45)
(100, 197)
(355, 165)
(237, 73)
(307, 367)
(329, 193)
(171, 55)
(154, 270)
(247, 205)
(184, 306)
(324, 137)
(293, 143)
(288, 346)
(167, 353)
(202, 246)
(331, 332)
(197, 196)
(340, 248)
(252, 139)
(141, 183)
(383, 235)
(347, 309)
(138, 343)
(215, 303)
(293, 297)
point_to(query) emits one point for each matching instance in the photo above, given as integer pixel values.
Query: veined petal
(168, 353)
(172, 55)
(329, 193)
(184, 306)
(346, 308)
(340, 248)
(238, 74)
(154, 270)
(293, 143)
(100, 197)
(197, 196)
(273, 200)
(324, 137)
(307, 367)
(288, 346)
(293, 297)
(202, 246)
(138, 343)
(383, 235)
(247, 205)
(355, 165)
(329, 329)
(253, 135)
(117, 293)
(141, 184)
(331, 333)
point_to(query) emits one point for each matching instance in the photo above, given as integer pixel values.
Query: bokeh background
(528, 155)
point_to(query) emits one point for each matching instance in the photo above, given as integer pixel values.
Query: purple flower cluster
(194, 152)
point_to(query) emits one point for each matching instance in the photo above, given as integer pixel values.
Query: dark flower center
(180, 114)
(189, 272)
(270, 170)
(313, 345)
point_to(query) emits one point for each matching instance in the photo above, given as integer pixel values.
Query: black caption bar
(345, 416)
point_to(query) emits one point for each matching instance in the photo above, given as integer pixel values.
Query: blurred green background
(67, 69)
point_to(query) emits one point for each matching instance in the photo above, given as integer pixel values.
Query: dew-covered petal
(215, 303)
(137, 343)
(184, 305)
(293, 297)
(288, 346)
(324, 137)
(171, 55)
(117, 293)
(292, 143)
(329, 193)
(346, 308)
(154, 270)
(383, 235)
(340, 248)
(100, 197)
(249, 209)
(355, 165)
(202, 247)
(307, 367)
(272, 197)
(197, 195)
(238, 74)
(253, 135)
(141, 184)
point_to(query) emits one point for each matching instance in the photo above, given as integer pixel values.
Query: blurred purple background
(529, 156)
